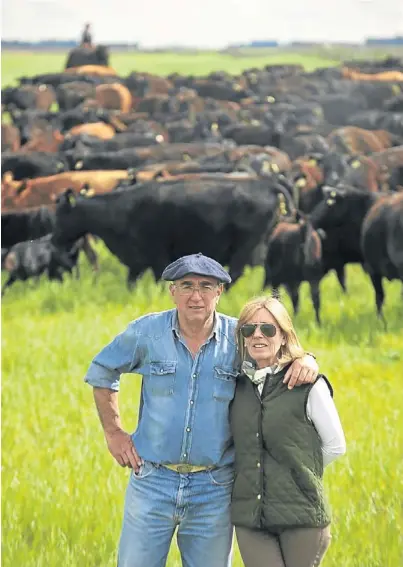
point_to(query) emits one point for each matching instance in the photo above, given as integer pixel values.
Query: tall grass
(63, 493)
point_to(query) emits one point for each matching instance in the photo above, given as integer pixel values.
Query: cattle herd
(300, 172)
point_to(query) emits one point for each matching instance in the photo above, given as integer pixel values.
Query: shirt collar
(216, 332)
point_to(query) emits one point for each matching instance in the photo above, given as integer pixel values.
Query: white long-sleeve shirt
(322, 412)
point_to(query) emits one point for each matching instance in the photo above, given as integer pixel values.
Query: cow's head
(332, 210)
(69, 224)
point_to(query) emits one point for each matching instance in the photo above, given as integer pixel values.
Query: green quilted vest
(278, 458)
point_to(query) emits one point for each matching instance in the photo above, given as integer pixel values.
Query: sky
(202, 23)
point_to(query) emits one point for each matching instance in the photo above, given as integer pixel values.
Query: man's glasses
(267, 329)
(185, 288)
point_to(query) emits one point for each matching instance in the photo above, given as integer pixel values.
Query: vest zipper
(261, 454)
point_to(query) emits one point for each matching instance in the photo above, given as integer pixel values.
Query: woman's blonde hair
(292, 348)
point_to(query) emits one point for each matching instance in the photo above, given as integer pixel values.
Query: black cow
(32, 258)
(382, 244)
(70, 95)
(294, 255)
(126, 140)
(36, 164)
(157, 223)
(341, 215)
(20, 226)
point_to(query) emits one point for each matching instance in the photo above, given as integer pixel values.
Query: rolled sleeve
(121, 355)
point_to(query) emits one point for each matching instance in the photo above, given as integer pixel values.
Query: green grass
(17, 64)
(63, 494)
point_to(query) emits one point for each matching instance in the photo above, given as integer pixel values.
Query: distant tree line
(70, 43)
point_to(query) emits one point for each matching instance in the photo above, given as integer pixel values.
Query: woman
(283, 439)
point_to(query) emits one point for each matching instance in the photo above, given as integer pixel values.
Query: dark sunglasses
(267, 329)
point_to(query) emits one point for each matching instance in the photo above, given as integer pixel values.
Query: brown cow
(354, 140)
(45, 95)
(389, 76)
(99, 70)
(43, 141)
(44, 190)
(306, 177)
(114, 97)
(10, 138)
(98, 129)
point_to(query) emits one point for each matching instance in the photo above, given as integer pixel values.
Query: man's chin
(196, 313)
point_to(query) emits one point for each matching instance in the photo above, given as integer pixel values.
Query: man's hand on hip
(121, 447)
(302, 371)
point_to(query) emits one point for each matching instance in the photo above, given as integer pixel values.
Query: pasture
(62, 492)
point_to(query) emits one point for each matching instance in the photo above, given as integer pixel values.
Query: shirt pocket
(224, 383)
(162, 377)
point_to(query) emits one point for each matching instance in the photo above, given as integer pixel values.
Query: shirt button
(258, 465)
(194, 376)
(259, 496)
(191, 402)
(257, 434)
(188, 429)
(185, 455)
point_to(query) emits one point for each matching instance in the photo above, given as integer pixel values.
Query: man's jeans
(158, 500)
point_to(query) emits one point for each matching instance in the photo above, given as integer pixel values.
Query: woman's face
(261, 348)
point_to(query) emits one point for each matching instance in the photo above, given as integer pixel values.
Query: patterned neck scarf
(258, 375)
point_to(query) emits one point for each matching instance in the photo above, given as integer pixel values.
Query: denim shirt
(184, 404)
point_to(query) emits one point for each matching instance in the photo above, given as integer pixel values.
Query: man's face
(195, 296)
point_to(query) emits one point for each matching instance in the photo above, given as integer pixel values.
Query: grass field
(62, 494)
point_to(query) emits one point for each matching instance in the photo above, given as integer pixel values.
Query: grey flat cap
(197, 264)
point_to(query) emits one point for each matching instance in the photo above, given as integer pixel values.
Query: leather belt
(185, 469)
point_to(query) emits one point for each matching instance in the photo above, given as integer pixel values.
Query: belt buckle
(184, 469)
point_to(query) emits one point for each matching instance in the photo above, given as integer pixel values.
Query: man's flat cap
(197, 264)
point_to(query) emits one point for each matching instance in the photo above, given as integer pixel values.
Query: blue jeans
(159, 500)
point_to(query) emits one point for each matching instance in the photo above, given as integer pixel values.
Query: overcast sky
(202, 23)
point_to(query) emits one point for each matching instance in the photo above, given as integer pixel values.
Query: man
(181, 454)
(86, 38)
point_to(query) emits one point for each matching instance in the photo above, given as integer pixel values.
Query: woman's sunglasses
(267, 329)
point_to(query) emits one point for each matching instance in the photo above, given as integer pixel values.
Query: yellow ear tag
(330, 202)
(312, 161)
(186, 157)
(79, 165)
(72, 200)
(300, 182)
(270, 99)
(214, 127)
(266, 166)
(396, 89)
(274, 167)
(355, 164)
